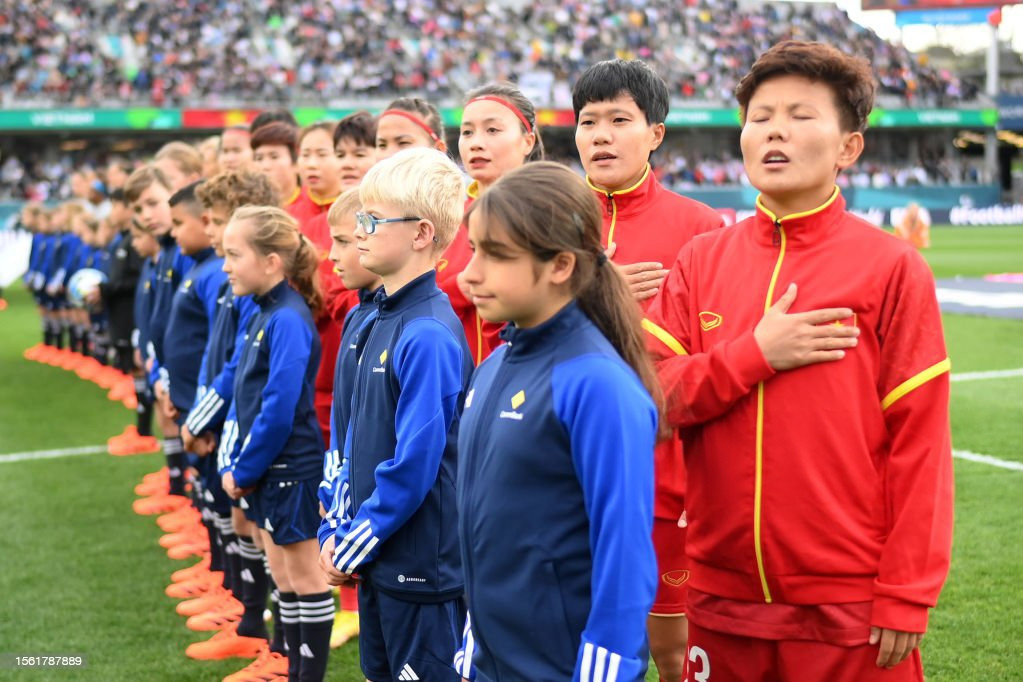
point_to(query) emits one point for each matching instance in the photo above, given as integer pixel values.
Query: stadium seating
(226, 52)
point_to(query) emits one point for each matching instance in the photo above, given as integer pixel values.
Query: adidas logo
(247, 576)
(306, 652)
(407, 673)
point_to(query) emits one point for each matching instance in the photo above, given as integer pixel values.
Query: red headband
(499, 100)
(412, 117)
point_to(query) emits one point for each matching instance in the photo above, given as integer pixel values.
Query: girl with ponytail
(271, 451)
(556, 439)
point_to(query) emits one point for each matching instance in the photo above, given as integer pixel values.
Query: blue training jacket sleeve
(612, 425)
(227, 450)
(428, 364)
(290, 349)
(331, 466)
(210, 411)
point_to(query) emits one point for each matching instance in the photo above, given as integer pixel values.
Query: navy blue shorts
(213, 496)
(288, 510)
(404, 640)
(247, 505)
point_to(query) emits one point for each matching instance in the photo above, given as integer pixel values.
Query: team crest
(709, 320)
(675, 578)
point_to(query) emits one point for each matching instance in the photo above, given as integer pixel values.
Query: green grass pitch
(80, 573)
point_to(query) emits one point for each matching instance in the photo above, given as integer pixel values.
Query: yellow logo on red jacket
(709, 320)
(675, 578)
(844, 322)
(441, 264)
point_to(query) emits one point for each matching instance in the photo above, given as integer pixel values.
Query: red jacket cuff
(895, 614)
(747, 361)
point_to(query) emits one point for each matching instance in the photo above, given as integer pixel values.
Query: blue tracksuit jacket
(220, 361)
(413, 366)
(193, 310)
(171, 265)
(340, 413)
(272, 415)
(555, 507)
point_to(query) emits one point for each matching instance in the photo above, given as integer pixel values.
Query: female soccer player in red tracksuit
(620, 108)
(497, 135)
(812, 395)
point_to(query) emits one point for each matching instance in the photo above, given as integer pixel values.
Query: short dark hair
(117, 195)
(361, 127)
(850, 78)
(604, 81)
(271, 116)
(276, 133)
(187, 198)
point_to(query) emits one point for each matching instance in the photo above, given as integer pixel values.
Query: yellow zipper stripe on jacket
(759, 453)
(614, 206)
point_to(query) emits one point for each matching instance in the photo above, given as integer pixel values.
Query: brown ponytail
(273, 230)
(565, 216)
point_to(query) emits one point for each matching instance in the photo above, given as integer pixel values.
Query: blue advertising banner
(1010, 112)
(949, 16)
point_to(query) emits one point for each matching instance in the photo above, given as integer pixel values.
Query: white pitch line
(994, 374)
(51, 454)
(987, 459)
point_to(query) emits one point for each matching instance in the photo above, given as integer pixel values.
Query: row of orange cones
(120, 388)
(207, 605)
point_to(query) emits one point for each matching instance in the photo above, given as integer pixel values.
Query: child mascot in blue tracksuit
(555, 477)
(272, 448)
(399, 534)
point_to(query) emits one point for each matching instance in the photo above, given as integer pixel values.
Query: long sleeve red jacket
(482, 336)
(648, 223)
(337, 300)
(830, 483)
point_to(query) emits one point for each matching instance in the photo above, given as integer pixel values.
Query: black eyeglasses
(369, 223)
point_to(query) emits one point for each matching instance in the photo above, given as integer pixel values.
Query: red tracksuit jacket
(649, 223)
(312, 218)
(482, 336)
(827, 484)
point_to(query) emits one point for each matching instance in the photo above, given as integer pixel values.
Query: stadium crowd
(212, 52)
(48, 177)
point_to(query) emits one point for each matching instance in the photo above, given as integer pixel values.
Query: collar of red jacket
(630, 199)
(804, 227)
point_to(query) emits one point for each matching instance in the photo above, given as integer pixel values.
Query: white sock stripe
(586, 664)
(329, 618)
(322, 611)
(329, 601)
(173, 446)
